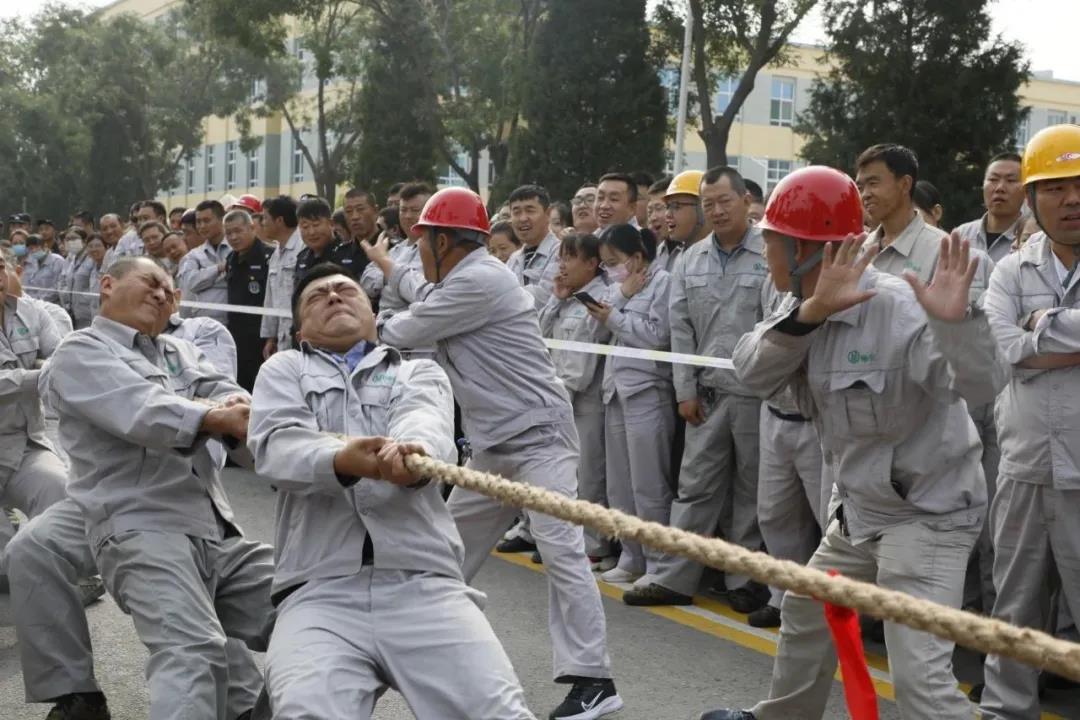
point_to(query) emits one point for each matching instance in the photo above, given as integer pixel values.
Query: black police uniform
(246, 278)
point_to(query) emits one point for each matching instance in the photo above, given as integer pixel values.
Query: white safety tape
(568, 345)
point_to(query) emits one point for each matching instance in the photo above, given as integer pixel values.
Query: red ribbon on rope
(858, 687)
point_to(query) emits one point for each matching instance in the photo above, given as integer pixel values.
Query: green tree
(593, 100)
(926, 74)
(730, 39)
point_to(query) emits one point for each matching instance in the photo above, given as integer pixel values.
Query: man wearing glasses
(715, 298)
(683, 216)
(582, 207)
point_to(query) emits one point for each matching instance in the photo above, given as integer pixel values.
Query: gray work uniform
(129, 245)
(582, 374)
(1032, 521)
(639, 420)
(917, 249)
(41, 278)
(714, 300)
(793, 503)
(886, 387)
(201, 281)
(348, 627)
(975, 233)
(62, 323)
(157, 518)
(32, 475)
(51, 553)
(537, 275)
(78, 295)
(280, 280)
(667, 253)
(520, 424)
(406, 280)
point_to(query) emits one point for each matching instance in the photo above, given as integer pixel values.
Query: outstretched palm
(837, 287)
(947, 297)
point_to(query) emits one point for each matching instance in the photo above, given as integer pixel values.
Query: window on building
(775, 172)
(297, 161)
(189, 181)
(253, 168)
(1023, 131)
(450, 177)
(669, 80)
(1056, 117)
(782, 102)
(209, 168)
(230, 165)
(725, 91)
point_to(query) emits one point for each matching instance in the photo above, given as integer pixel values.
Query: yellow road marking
(731, 625)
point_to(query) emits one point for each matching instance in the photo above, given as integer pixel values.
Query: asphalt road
(670, 664)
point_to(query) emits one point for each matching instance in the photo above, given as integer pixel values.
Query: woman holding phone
(566, 317)
(638, 394)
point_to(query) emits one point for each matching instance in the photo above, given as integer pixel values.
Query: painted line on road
(713, 617)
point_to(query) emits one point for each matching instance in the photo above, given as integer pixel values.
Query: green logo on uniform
(382, 378)
(855, 357)
(912, 266)
(761, 268)
(23, 331)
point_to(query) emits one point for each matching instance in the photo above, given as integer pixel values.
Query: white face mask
(74, 246)
(618, 273)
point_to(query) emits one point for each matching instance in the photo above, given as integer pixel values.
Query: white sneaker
(644, 581)
(618, 575)
(605, 563)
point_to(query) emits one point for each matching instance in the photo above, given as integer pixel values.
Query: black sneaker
(975, 694)
(515, 544)
(653, 594)
(748, 598)
(727, 715)
(91, 589)
(537, 560)
(589, 698)
(766, 617)
(80, 706)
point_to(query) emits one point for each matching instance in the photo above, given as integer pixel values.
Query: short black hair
(926, 195)
(577, 245)
(34, 239)
(314, 208)
(392, 219)
(566, 215)
(660, 186)
(340, 220)
(177, 210)
(318, 272)
(642, 178)
(395, 189)
(628, 180)
(413, 189)
(283, 207)
(629, 240)
(84, 216)
(214, 206)
(505, 228)
(530, 192)
(354, 193)
(1007, 155)
(188, 218)
(755, 191)
(898, 159)
(157, 207)
(735, 178)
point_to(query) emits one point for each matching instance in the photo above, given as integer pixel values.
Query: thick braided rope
(985, 635)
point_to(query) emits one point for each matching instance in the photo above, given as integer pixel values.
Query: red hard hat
(248, 202)
(814, 203)
(455, 208)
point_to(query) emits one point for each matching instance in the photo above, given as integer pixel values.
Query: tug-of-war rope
(992, 637)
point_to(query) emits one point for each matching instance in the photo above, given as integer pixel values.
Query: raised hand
(837, 287)
(947, 298)
(634, 282)
(378, 252)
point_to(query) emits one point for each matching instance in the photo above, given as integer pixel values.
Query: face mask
(619, 273)
(19, 250)
(38, 255)
(74, 246)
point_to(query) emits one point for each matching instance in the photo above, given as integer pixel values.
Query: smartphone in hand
(586, 299)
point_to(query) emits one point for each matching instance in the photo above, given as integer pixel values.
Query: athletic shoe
(603, 564)
(727, 715)
(589, 698)
(748, 598)
(91, 589)
(515, 544)
(80, 706)
(654, 594)
(766, 617)
(618, 575)
(537, 560)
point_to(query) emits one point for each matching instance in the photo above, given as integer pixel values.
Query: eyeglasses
(579, 200)
(674, 205)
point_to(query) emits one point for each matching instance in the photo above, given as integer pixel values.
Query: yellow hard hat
(1053, 153)
(688, 182)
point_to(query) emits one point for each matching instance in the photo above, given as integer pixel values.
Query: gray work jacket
(201, 281)
(538, 276)
(42, 277)
(569, 320)
(638, 322)
(304, 399)
(280, 280)
(485, 329)
(975, 233)
(886, 387)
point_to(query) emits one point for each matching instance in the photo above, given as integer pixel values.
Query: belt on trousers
(792, 417)
(367, 555)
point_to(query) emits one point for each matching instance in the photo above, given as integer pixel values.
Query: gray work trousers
(979, 590)
(545, 456)
(47, 558)
(40, 481)
(638, 433)
(718, 486)
(340, 642)
(1035, 532)
(792, 505)
(916, 557)
(185, 596)
(592, 475)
